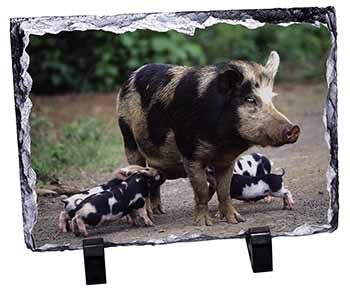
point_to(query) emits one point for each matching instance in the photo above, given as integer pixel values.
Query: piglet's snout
(291, 134)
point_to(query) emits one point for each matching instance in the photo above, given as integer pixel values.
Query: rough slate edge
(184, 22)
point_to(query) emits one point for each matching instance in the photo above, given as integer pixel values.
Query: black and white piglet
(116, 200)
(256, 188)
(71, 203)
(253, 165)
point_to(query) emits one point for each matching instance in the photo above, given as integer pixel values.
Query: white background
(318, 261)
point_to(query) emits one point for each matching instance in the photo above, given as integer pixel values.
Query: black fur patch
(184, 112)
(128, 136)
(150, 79)
(93, 219)
(266, 164)
(256, 157)
(274, 181)
(158, 124)
(260, 170)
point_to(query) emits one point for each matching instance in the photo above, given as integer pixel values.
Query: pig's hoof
(239, 218)
(62, 229)
(231, 219)
(268, 199)
(150, 215)
(147, 222)
(158, 210)
(203, 219)
(234, 218)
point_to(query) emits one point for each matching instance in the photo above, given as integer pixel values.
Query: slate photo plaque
(155, 128)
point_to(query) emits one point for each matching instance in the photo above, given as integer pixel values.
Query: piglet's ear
(229, 79)
(121, 174)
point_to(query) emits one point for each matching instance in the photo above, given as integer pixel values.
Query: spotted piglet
(256, 188)
(252, 165)
(71, 203)
(129, 197)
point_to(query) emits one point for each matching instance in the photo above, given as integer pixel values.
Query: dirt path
(305, 163)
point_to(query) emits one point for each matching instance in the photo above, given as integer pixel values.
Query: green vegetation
(100, 61)
(97, 61)
(87, 144)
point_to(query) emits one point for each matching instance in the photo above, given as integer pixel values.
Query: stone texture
(184, 22)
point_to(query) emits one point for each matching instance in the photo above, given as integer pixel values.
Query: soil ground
(305, 163)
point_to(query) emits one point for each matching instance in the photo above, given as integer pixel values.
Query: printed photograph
(151, 137)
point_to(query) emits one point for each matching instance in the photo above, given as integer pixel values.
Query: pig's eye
(251, 99)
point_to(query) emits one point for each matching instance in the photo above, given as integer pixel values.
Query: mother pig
(180, 119)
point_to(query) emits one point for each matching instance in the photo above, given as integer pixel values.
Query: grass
(87, 144)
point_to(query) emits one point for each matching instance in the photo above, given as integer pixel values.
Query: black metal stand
(94, 260)
(259, 243)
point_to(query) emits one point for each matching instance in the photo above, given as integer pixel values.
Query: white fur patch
(265, 93)
(74, 201)
(125, 185)
(255, 190)
(95, 190)
(86, 209)
(111, 202)
(137, 196)
(245, 166)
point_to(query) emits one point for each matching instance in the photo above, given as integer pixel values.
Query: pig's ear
(272, 64)
(229, 79)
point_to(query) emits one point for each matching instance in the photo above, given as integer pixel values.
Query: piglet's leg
(288, 202)
(81, 226)
(74, 227)
(149, 208)
(63, 222)
(142, 213)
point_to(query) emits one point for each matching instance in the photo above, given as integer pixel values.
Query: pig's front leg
(226, 209)
(198, 179)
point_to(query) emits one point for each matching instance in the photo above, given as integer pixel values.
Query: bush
(87, 144)
(100, 61)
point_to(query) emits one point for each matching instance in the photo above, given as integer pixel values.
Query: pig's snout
(291, 134)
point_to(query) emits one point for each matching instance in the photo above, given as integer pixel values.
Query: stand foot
(259, 243)
(94, 260)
